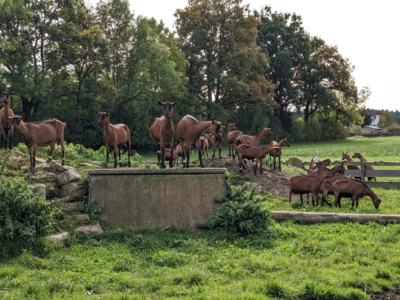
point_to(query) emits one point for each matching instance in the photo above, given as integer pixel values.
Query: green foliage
(24, 216)
(242, 212)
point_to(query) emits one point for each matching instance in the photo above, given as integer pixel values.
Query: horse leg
(34, 156)
(10, 134)
(261, 171)
(129, 153)
(162, 148)
(63, 152)
(220, 152)
(172, 154)
(51, 152)
(200, 158)
(213, 151)
(115, 155)
(255, 168)
(119, 157)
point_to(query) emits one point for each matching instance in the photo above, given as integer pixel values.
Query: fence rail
(364, 173)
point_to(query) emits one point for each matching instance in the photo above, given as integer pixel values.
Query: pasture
(320, 261)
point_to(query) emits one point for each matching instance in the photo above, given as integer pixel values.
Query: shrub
(24, 216)
(242, 212)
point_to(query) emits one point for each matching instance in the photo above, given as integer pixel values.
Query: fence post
(362, 170)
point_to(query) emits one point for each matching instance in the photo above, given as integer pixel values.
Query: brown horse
(278, 151)
(162, 130)
(347, 157)
(41, 134)
(231, 136)
(253, 140)
(116, 137)
(204, 144)
(190, 130)
(6, 126)
(217, 141)
(358, 155)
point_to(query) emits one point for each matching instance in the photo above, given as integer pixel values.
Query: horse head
(103, 116)
(168, 108)
(5, 96)
(16, 120)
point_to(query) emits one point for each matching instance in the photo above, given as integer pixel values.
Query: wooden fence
(364, 173)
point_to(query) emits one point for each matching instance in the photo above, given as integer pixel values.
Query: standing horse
(253, 140)
(231, 136)
(162, 130)
(6, 126)
(347, 157)
(190, 130)
(41, 134)
(278, 151)
(116, 137)
(358, 155)
(217, 141)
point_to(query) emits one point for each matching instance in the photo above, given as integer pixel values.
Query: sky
(366, 32)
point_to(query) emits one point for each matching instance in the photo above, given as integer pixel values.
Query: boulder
(68, 176)
(295, 161)
(58, 237)
(74, 191)
(43, 175)
(95, 229)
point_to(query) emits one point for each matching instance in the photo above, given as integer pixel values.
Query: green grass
(321, 261)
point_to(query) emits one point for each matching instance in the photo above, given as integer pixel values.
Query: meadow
(320, 261)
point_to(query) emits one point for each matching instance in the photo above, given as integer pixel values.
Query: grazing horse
(162, 130)
(190, 130)
(347, 157)
(278, 151)
(358, 155)
(116, 137)
(6, 126)
(231, 136)
(41, 134)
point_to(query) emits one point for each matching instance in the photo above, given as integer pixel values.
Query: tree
(282, 38)
(387, 120)
(225, 65)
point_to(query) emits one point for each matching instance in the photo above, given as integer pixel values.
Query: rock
(68, 176)
(51, 190)
(40, 188)
(69, 206)
(58, 237)
(74, 191)
(95, 229)
(43, 175)
(295, 161)
(81, 217)
(60, 168)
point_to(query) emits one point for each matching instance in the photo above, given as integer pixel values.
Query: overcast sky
(366, 32)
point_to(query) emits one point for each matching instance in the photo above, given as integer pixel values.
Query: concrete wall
(157, 198)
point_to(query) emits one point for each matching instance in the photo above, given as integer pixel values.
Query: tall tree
(225, 65)
(282, 38)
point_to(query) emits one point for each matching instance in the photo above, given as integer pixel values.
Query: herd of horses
(319, 178)
(325, 181)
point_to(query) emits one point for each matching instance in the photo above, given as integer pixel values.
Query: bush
(24, 216)
(242, 212)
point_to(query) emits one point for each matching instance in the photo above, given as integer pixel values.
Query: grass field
(321, 261)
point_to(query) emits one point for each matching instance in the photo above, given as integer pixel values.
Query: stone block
(157, 198)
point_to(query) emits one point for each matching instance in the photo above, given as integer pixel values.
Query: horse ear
(107, 114)
(159, 102)
(174, 103)
(212, 120)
